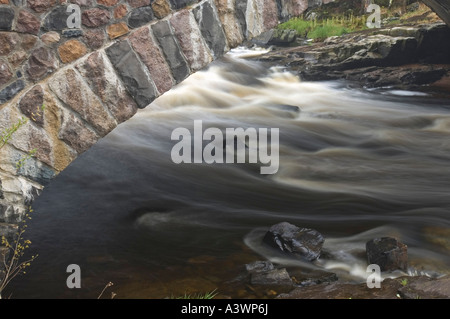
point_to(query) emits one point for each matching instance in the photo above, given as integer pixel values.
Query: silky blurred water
(354, 165)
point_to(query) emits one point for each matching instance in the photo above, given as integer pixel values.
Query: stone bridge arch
(124, 55)
(90, 79)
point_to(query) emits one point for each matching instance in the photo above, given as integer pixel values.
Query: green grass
(302, 27)
(323, 32)
(322, 29)
(208, 295)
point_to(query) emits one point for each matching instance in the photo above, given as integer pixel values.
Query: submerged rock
(275, 277)
(266, 273)
(388, 253)
(315, 277)
(304, 243)
(259, 266)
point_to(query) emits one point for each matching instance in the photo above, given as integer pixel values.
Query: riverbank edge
(403, 57)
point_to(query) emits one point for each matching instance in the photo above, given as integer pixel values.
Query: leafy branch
(12, 265)
(207, 295)
(7, 133)
(22, 161)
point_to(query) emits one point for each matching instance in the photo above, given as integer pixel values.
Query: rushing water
(354, 165)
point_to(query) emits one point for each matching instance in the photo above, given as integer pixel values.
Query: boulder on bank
(259, 266)
(274, 277)
(305, 278)
(275, 37)
(265, 273)
(388, 253)
(304, 243)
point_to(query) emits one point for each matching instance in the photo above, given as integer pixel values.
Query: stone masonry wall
(125, 54)
(35, 39)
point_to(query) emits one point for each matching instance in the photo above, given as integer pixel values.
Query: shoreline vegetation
(321, 23)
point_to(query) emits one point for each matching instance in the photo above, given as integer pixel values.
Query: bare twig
(109, 284)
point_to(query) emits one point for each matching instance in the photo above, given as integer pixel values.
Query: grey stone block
(241, 9)
(178, 4)
(132, 73)
(172, 51)
(56, 20)
(211, 28)
(11, 90)
(140, 17)
(6, 18)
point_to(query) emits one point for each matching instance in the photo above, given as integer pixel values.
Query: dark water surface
(353, 164)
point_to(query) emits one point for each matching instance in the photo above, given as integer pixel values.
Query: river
(354, 164)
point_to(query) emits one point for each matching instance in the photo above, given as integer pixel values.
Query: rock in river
(275, 277)
(388, 253)
(259, 266)
(300, 242)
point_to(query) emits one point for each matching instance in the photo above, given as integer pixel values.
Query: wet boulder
(274, 277)
(388, 253)
(265, 273)
(276, 37)
(259, 266)
(304, 278)
(303, 243)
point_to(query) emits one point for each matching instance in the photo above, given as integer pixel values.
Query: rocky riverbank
(407, 287)
(401, 57)
(317, 284)
(387, 253)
